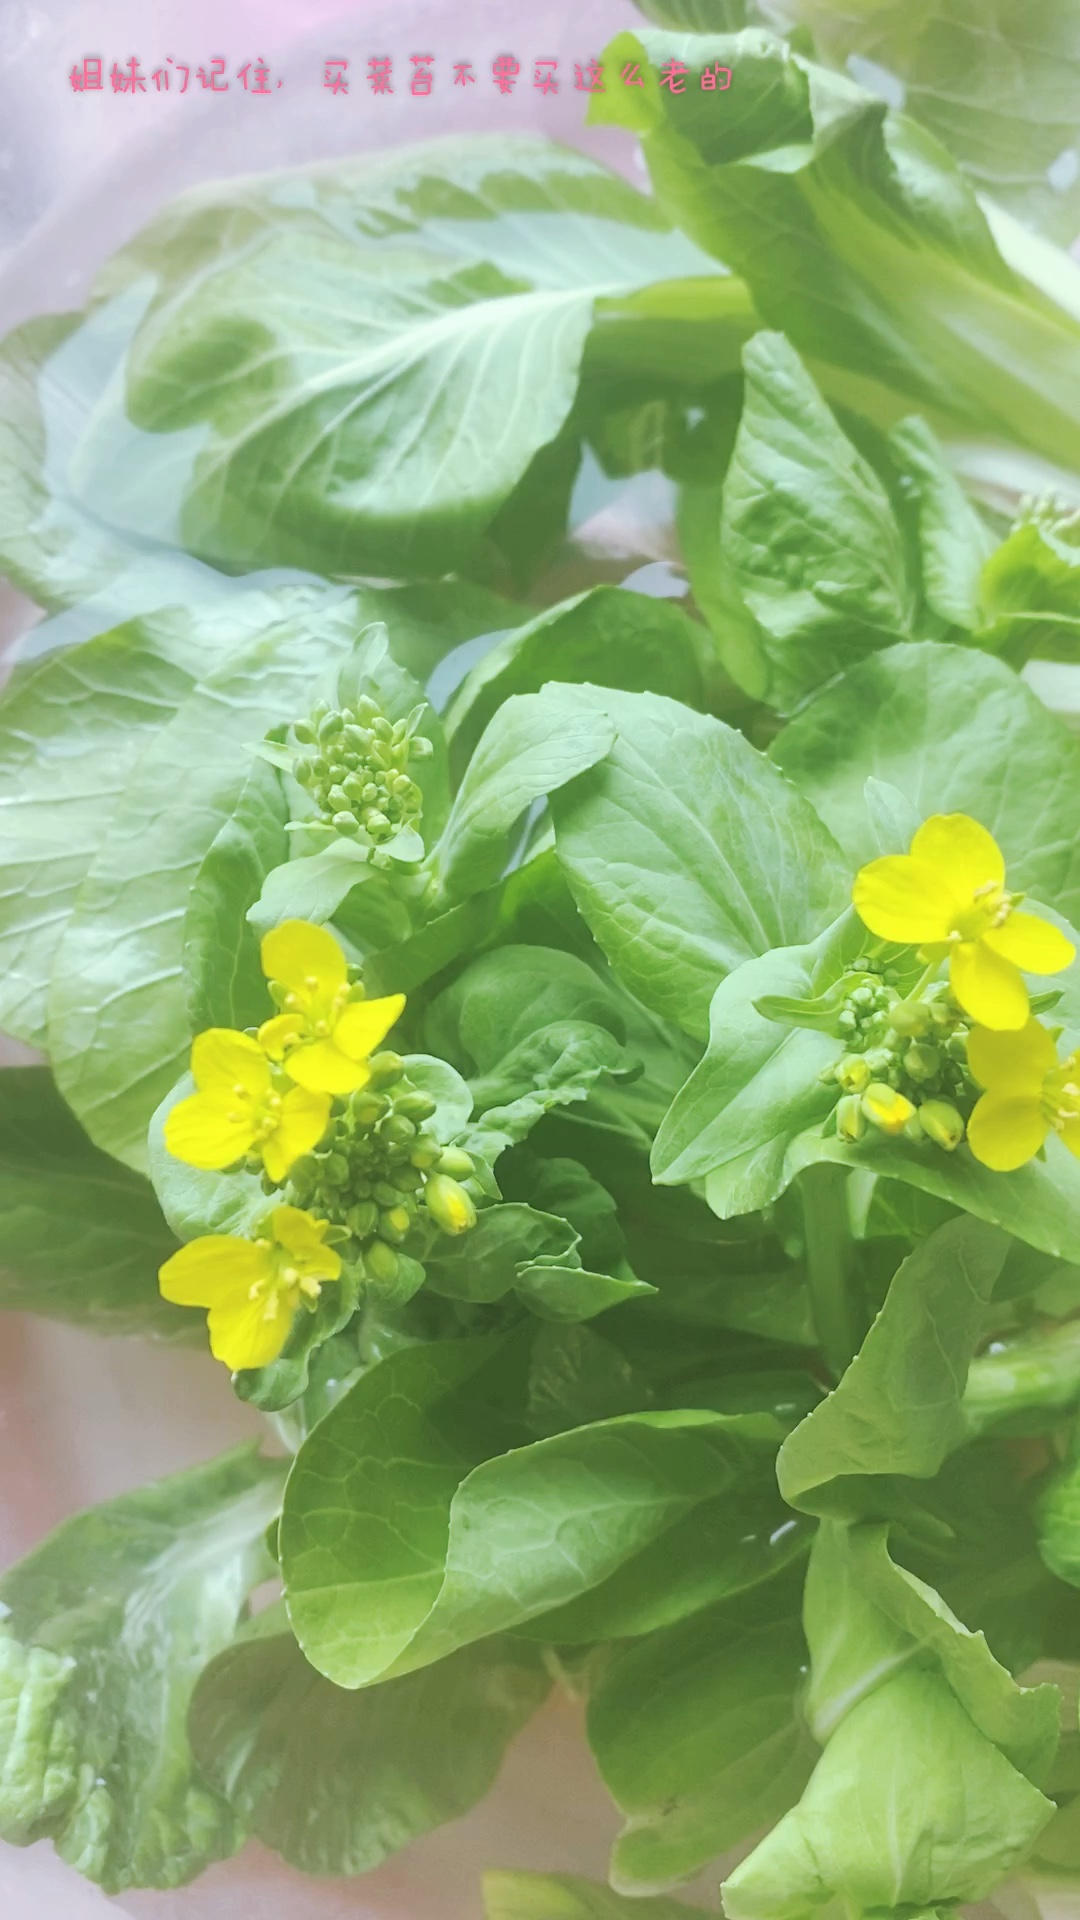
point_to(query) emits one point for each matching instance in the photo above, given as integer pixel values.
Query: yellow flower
(1029, 1095)
(948, 896)
(322, 1037)
(252, 1287)
(237, 1109)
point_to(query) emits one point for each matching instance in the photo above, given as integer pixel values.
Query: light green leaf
(897, 1408)
(118, 1022)
(483, 1264)
(1026, 1383)
(697, 1734)
(336, 1782)
(561, 1896)
(808, 537)
(533, 744)
(568, 1293)
(857, 236)
(953, 731)
(317, 886)
(459, 1539)
(953, 541)
(81, 1238)
(403, 335)
(611, 635)
(507, 996)
(224, 979)
(686, 857)
(1031, 589)
(107, 1626)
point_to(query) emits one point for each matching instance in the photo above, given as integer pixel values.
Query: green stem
(932, 972)
(830, 1262)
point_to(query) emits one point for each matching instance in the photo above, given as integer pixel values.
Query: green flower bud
(879, 1060)
(862, 997)
(377, 824)
(345, 823)
(329, 727)
(304, 732)
(415, 1105)
(850, 1119)
(956, 1046)
(913, 1127)
(353, 787)
(363, 1218)
(398, 1130)
(420, 747)
(853, 1073)
(847, 1021)
(303, 770)
(456, 1162)
(407, 1178)
(384, 1068)
(426, 1151)
(386, 1194)
(338, 799)
(367, 1107)
(381, 1262)
(942, 1124)
(394, 1224)
(909, 1017)
(448, 1204)
(319, 711)
(922, 1062)
(885, 1108)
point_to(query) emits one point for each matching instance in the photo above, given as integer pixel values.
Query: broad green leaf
(318, 886)
(808, 537)
(118, 1022)
(561, 1896)
(759, 1083)
(856, 235)
(336, 1782)
(954, 732)
(1031, 589)
(458, 1539)
(569, 1293)
(72, 726)
(106, 1628)
(609, 634)
(483, 1265)
(224, 979)
(81, 1238)
(1025, 1384)
(534, 744)
(507, 996)
(697, 1734)
(897, 1409)
(687, 857)
(996, 81)
(403, 334)
(558, 1066)
(953, 541)
(1058, 1521)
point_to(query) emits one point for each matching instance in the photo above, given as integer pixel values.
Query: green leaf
(858, 237)
(506, 997)
(808, 538)
(759, 1083)
(953, 541)
(994, 80)
(319, 887)
(897, 1408)
(697, 1734)
(336, 1782)
(118, 1021)
(483, 1264)
(533, 745)
(81, 1238)
(687, 857)
(953, 731)
(225, 983)
(611, 635)
(1031, 589)
(568, 1293)
(458, 1539)
(72, 726)
(1024, 1384)
(561, 1896)
(381, 322)
(106, 1629)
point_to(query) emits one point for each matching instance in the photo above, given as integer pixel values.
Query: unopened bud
(942, 1124)
(367, 1107)
(885, 1108)
(304, 732)
(448, 1204)
(345, 823)
(922, 1062)
(850, 1119)
(384, 1068)
(909, 1017)
(329, 727)
(363, 1218)
(381, 1262)
(394, 1223)
(415, 1105)
(853, 1073)
(456, 1162)
(398, 1130)
(420, 747)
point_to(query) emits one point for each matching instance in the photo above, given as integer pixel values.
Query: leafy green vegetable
(105, 1629)
(337, 1781)
(559, 1896)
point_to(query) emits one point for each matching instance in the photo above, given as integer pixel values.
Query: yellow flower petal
(988, 988)
(961, 852)
(1012, 1063)
(905, 900)
(296, 953)
(323, 1068)
(1004, 1133)
(249, 1333)
(364, 1024)
(1031, 944)
(274, 1033)
(303, 1122)
(1070, 1133)
(210, 1130)
(208, 1269)
(222, 1060)
(304, 1237)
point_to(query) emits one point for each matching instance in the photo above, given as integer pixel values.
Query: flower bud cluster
(905, 1069)
(378, 1175)
(354, 762)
